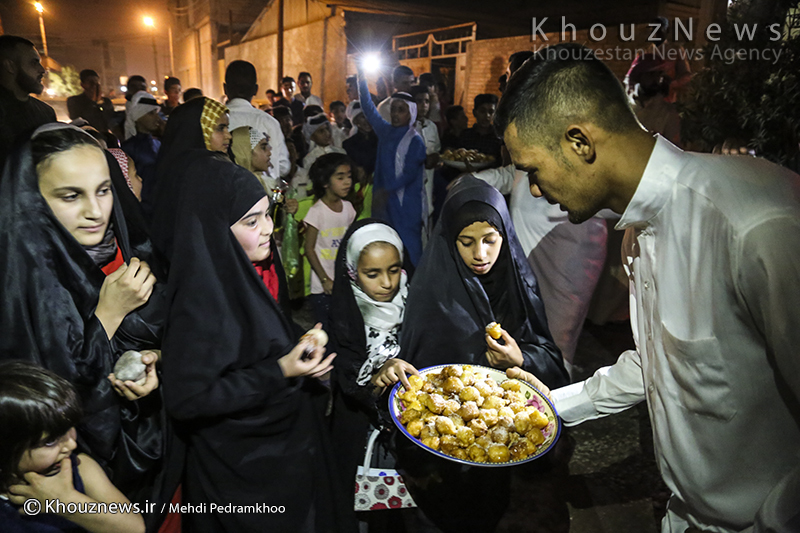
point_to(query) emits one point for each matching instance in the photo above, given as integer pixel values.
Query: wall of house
(319, 48)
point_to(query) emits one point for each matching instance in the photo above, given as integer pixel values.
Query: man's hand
(518, 373)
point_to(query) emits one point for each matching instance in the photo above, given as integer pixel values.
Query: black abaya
(448, 308)
(253, 436)
(49, 289)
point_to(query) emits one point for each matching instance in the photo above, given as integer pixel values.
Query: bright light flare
(148, 21)
(371, 63)
(51, 92)
(39, 7)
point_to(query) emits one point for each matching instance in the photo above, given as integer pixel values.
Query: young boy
(457, 123)
(482, 136)
(340, 126)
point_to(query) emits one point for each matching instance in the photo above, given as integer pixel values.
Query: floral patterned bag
(379, 488)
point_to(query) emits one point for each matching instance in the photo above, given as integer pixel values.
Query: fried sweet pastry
(494, 330)
(453, 385)
(498, 453)
(450, 407)
(445, 425)
(464, 413)
(468, 411)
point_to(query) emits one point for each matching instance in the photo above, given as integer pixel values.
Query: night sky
(71, 25)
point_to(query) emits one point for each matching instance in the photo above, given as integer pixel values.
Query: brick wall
(319, 48)
(487, 59)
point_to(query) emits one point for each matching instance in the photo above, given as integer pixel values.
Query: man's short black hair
(280, 111)
(304, 74)
(352, 80)
(452, 112)
(270, 91)
(241, 80)
(336, 104)
(416, 90)
(287, 79)
(401, 71)
(86, 74)
(171, 82)
(9, 43)
(312, 111)
(194, 92)
(559, 85)
(426, 80)
(136, 78)
(517, 59)
(484, 99)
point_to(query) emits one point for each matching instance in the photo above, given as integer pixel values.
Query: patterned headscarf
(209, 118)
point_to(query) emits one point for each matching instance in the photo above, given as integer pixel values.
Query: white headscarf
(382, 320)
(141, 104)
(405, 142)
(352, 111)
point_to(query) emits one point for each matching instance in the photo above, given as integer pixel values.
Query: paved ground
(602, 477)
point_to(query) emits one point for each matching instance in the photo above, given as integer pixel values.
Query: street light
(148, 21)
(40, 8)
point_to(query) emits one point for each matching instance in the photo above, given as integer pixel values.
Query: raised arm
(381, 127)
(412, 170)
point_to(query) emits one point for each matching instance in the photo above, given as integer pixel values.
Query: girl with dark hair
(76, 291)
(473, 273)
(235, 378)
(38, 414)
(369, 299)
(326, 223)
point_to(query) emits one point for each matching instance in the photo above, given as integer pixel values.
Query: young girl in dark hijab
(194, 129)
(473, 273)
(368, 304)
(75, 294)
(235, 378)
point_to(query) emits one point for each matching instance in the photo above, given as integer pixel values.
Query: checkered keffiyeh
(122, 159)
(212, 111)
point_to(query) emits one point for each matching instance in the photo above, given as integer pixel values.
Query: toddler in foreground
(38, 463)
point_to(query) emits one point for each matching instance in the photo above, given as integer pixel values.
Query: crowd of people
(165, 232)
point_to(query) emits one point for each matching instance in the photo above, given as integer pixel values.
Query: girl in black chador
(235, 379)
(472, 273)
(76, 292)
(369, 298)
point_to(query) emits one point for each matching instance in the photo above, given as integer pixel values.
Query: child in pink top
(326, 223)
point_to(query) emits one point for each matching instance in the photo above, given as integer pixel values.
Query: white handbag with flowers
(379, 488)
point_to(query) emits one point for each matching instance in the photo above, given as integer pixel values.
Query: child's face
(221, 137)
(341, 182)
(379, 269)
(461, 121)
(287, 89)
(286, 125)
(76, 185)
(339, 114)
(484, 114)
(253, 231)
(322, 136)
(261, 157)
(401, 115)
(46, 458)
(423, 105)
(479, 246)
(361, 122)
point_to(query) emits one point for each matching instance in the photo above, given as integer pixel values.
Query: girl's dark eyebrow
(251, 215)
